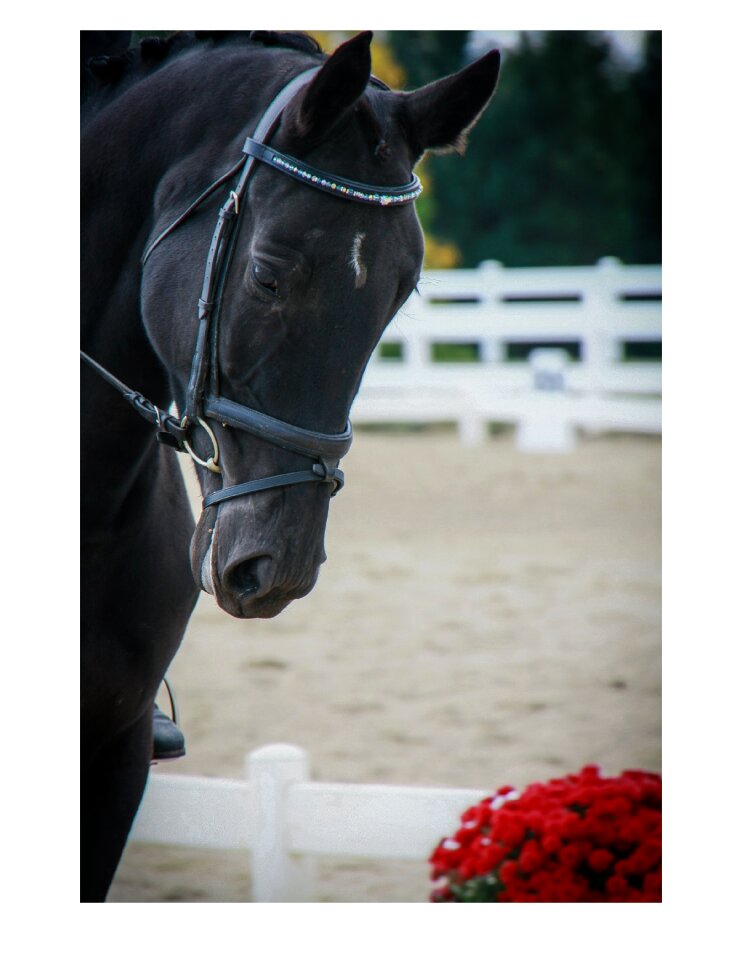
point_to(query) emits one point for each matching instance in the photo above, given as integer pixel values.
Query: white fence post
(278, 875)
(547, 428)
(600, 344)
(491, 275)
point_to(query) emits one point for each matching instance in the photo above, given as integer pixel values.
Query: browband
(329, 182)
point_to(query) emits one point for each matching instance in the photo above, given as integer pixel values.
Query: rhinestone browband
(349, 189)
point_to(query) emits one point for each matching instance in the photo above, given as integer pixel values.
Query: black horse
(306, 286)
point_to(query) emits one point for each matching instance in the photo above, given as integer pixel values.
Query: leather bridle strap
(320, 473)
(218, 255)
(309, 443)
(169, 429)
(330, 182)
(189, 210)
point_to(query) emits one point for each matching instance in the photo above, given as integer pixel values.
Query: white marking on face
(207, 581)
(359, 267)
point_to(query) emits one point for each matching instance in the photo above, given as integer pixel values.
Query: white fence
(581, 329)
(285, 821)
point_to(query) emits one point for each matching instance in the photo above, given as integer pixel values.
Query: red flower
(600, 860)
(570, 855)
(551, 842)
(509, 871)
(616, 885)
(581, 838)
(652, 884)
(531, 856)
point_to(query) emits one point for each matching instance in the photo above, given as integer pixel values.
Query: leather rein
(203, 401)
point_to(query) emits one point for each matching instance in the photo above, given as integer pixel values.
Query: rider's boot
(169, 742)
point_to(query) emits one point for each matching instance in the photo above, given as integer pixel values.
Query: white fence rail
(285, 821)
(601, 314)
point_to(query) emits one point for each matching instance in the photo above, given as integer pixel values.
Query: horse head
(312, 282)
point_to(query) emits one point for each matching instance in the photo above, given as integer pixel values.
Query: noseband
(203, 400)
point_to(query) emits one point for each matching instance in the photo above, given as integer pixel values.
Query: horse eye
(265, 279)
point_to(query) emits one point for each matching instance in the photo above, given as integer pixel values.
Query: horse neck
(125, 152)
(128, 146)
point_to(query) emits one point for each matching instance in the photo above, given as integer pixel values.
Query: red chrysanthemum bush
(583, 838)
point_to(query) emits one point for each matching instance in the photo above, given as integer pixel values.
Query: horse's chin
(261, 608)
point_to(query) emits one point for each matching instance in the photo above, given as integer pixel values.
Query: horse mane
(108, 63)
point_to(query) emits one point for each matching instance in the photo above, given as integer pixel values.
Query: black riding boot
(169, 742)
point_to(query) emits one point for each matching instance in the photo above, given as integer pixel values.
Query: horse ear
(337, 86)
(440, 115)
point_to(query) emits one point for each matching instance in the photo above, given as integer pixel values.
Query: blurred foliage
(564, 166)
(428, 55)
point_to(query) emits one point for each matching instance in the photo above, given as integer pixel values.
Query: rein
(203, 402)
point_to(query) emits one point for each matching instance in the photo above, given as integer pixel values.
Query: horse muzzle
(247, 562)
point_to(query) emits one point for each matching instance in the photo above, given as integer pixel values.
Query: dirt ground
(484, 617)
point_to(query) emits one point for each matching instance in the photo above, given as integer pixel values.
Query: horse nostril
(244, 578)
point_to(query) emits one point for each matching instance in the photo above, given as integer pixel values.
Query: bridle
(203, 399)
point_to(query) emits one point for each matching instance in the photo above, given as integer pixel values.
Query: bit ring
(212, 463)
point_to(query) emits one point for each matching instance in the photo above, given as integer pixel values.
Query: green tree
(558, 170)
(428, 55)
(645, 88)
